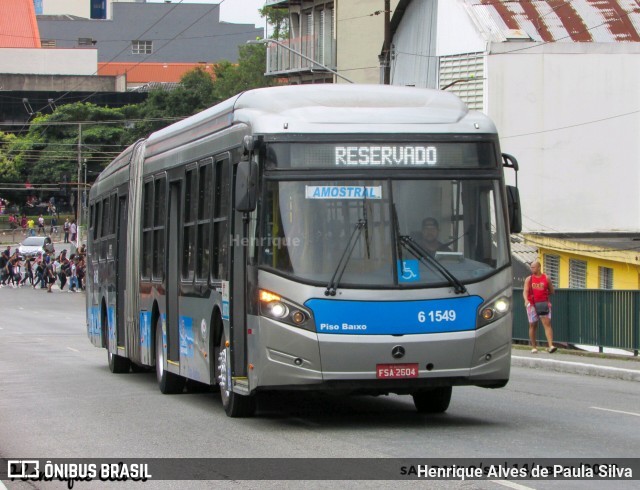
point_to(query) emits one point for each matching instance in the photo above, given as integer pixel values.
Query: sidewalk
(567, 361)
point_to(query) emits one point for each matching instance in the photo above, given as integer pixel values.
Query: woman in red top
(537, 288)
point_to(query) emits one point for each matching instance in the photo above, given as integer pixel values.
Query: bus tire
(433, 401)
(234, 404)
(118, 364)
(169, 383)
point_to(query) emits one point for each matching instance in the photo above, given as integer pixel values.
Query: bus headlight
(493, 310)
(278, 308)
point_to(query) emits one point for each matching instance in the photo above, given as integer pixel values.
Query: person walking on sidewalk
(536, 292)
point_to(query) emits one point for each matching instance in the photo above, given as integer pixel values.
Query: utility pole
(79, 200)
(386, 49)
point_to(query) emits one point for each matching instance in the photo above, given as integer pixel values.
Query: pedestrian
(17, 271)
(73, 279)
(536, 292)
(41, 225)
(66, 227)
(81, 272)
(73, 228)
(28, 271)
(40, 276)
(49, 273)
(30, 226)
(5, 259)
(64, 270)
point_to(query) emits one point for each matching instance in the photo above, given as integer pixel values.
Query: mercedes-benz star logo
(397, 352)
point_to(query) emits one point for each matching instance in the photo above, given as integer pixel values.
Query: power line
(139, 36)
(572, 125)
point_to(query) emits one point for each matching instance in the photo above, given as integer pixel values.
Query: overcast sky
(236, 11)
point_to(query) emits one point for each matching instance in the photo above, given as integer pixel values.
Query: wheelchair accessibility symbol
(408, 271)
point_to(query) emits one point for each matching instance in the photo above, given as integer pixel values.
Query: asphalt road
(59, 400)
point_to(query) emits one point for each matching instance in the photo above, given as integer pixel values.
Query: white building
(562, 85)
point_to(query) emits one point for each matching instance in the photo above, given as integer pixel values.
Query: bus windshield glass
(405, 225)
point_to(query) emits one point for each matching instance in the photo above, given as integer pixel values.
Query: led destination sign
(383, 155)
(386, 155)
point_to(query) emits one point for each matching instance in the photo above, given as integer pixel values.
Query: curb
(577, 368)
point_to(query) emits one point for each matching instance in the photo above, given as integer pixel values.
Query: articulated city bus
(320, 237)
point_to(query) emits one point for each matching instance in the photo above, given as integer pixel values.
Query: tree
(49, 152)
(195, 93)
(246, 75)
(9, 169)
(278, 19)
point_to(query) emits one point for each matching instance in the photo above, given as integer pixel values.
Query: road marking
(2, 487)
(616, 411)
(511, 484)
(72, 349)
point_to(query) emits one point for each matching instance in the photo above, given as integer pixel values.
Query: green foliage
(278, 19)
(9, 169)
(49, 152)
(246, 75)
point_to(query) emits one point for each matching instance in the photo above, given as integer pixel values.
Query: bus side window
(189, 225)
(98, 220)
(205, 191)
(159, 216)
(147, 231)
(221, 208)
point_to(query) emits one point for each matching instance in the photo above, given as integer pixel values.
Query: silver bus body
(174, 302)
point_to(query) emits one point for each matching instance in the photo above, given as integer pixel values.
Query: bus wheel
(235, 405)
(169, 383)
(433, 401)
(118, 364)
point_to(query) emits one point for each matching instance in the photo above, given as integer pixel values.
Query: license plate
(393, 371)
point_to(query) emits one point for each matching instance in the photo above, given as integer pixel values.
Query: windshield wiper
(427, 259)
(344, 259)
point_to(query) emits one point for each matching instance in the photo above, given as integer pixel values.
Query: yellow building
(589, 260)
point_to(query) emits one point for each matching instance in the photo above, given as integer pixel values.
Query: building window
(552, 268)
(577, 274)
(605, 275)
(86, 41)
(48, 43)
(141, 47)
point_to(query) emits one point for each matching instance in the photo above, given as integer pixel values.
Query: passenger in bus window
(429, 237)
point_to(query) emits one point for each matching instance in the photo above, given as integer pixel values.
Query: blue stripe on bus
(394, 317)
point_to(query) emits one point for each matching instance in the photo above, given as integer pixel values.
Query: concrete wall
(49, 61)
(61, 83)
(359, 39)
(80, 8)
(456, 31)
(569, 113)
(414, 60)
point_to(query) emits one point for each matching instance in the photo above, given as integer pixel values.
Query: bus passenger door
(121, 269)
(172, 280)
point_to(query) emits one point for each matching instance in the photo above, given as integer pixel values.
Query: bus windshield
(404, 226)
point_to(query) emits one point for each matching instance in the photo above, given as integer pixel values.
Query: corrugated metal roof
(557, 20)
(150, 72)
(18, 26)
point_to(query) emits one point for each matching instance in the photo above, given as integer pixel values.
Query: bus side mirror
(246, 186)
(515, 215)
